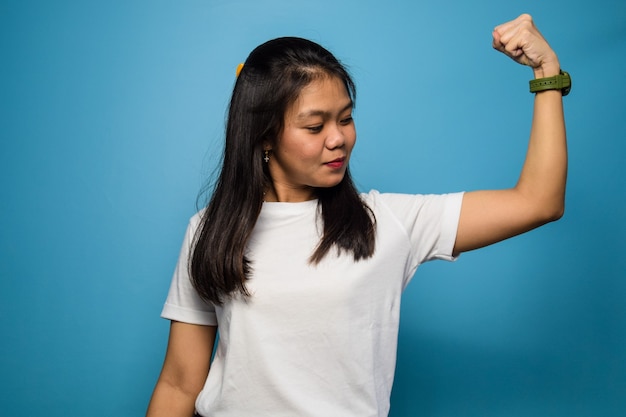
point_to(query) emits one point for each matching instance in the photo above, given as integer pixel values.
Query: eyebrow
(322, 113)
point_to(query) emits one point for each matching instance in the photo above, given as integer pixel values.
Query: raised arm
(538, 197)
(184, 372)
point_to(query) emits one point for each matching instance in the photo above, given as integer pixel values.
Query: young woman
(302, 274)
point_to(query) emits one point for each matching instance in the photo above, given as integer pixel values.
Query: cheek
(300, 151)
(297, 152)
(304, 148)
(351, 140)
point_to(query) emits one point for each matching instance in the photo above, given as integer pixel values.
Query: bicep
(188, 356)
(491, 216)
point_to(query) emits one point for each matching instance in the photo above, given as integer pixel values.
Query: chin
(331, 183)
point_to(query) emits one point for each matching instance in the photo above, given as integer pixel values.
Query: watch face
(566, 80)
(565, 90)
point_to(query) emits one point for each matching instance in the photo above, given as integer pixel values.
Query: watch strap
(561, 82)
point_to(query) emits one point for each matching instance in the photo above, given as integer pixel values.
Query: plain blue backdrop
(111, 120)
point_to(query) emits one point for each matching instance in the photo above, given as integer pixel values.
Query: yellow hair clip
(239, 68)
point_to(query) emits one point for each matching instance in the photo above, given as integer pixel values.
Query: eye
(346, 121)
(315, 129)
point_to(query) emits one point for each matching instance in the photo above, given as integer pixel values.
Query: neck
(289, 195)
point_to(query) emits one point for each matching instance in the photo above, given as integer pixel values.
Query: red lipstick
(336, 163)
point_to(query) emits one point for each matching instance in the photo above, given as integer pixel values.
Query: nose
(336, 137)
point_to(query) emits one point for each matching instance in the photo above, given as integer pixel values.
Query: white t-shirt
(314, 340)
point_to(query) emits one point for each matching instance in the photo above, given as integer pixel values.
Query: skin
(298, 164)
(184, 372)
(314, 147)
(539, 195)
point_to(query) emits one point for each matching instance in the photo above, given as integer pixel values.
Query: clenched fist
(521, 40)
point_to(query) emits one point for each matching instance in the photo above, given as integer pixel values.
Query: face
(315, 145)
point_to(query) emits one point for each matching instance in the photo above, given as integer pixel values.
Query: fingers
(521, 40)
(496, 40)
(505, 33)
(513, 24)
(514, 34)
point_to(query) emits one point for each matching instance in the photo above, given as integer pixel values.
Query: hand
(521, 40)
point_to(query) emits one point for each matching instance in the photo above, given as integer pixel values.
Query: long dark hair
(271, 80)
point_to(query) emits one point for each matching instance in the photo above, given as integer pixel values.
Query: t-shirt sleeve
(429, 221)
(183, 302)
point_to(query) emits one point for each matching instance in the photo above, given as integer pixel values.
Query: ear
(267, 146)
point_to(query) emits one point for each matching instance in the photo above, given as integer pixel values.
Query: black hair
(271, 80)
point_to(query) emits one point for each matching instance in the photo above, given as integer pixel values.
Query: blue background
(111, 120)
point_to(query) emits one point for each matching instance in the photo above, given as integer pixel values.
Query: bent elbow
(557, 215)
(553, 213)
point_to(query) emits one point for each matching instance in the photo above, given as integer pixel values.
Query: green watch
(561, 82)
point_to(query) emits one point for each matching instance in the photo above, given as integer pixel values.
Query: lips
(336, 163)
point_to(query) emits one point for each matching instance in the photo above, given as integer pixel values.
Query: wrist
(561, 82)
(547, 69)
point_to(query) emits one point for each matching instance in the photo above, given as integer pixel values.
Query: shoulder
(196, 219)
(401, 204)
(375, 198)
(193, 224)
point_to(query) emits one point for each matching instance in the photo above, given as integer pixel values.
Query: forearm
(171, 401)
(185, 370)
(543, 177)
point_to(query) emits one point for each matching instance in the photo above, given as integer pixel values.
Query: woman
(303, 275)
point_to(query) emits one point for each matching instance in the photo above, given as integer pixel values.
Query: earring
(266, 158)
